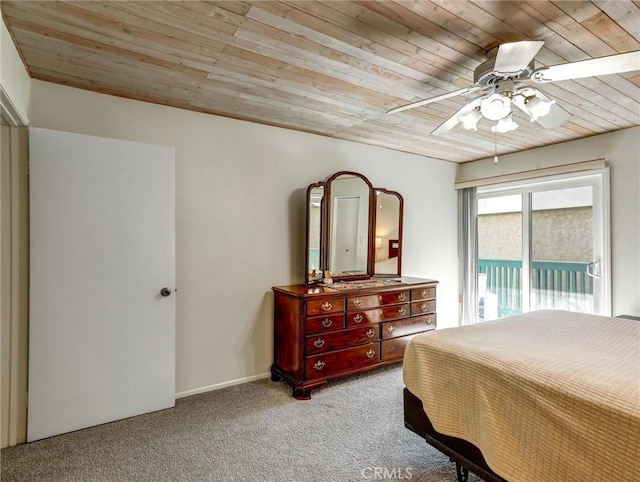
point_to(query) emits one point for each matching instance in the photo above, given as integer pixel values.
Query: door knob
(165, 291)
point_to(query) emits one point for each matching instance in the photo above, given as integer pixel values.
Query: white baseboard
(218, 386)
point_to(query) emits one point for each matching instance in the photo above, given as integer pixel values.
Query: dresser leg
(302, 394)
(275, 376)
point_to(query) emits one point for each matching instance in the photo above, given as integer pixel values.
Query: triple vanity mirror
(354, 231)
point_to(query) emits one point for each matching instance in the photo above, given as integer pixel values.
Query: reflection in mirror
(349, 225)
(315, 198)
(388, 232)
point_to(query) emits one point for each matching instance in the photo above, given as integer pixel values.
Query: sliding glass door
(562, 256)
(499, 256)
(543, 245)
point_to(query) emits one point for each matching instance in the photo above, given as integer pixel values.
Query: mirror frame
(327, 223)
(375, 230)
(325, 215)
(308, 275)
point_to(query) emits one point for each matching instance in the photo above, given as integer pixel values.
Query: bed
(387, 266)
(538, 397)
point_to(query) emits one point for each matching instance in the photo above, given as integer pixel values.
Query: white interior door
(102, 247)
(346, 234)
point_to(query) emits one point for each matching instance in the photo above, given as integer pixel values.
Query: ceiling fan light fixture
(470, 119)
(506, 124)
(538, 107)
(495, 107)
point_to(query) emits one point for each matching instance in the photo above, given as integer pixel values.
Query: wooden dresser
(321, 333)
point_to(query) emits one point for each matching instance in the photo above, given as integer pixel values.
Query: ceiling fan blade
(454, 120)
(466, 90)
(447, 125)
(613, 64)
(514, 57)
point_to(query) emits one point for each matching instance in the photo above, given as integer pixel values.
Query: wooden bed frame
(466, 455)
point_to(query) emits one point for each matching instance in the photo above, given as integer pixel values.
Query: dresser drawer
(321, 366)
(376, 316)
(324, 306)
(373, 301)
(416, 324)
(422, 307)
(394, 348)
(321, 343)
(423, 293)
(325, 323)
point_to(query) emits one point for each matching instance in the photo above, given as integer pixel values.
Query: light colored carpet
(351, 430)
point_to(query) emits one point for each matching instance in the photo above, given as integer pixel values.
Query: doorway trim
(14, 292)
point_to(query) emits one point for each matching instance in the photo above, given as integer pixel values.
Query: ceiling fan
(508, 77)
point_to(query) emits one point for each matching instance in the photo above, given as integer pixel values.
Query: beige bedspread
(547, 396)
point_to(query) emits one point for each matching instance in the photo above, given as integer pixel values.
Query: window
(540, 245)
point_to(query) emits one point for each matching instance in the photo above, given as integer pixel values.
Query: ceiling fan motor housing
(486, 76)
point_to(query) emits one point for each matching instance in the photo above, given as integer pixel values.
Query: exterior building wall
(557, 234)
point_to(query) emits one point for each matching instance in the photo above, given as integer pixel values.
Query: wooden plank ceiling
(334, 67)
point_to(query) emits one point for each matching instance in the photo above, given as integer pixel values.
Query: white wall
(240, 194)
(622, 152)
(14, 79)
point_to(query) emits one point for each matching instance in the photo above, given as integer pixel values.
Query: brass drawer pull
(371, 353)
(424, 307)
(326, 306)
(379, 297)
(327, 322)
(429, 320)
(402, 297)
(391, 329)
(319, 343)
(425, 293)
(357, 302)
(319, 365)
(402, 311)
(358, 318)
(370, 333)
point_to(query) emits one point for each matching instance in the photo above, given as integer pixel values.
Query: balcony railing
(554, 285)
